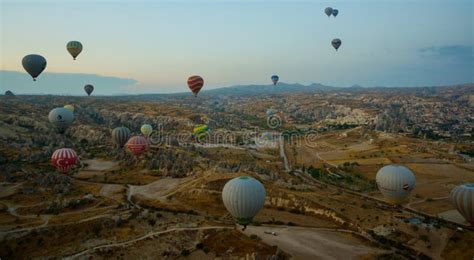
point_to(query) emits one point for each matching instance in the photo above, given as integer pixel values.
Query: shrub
(185, 252)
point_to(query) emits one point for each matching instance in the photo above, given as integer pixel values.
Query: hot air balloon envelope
(275, 79)
(462, 197)
(336, 43)
(395, 182)
(61, 118)
(63, 159)
(34, 64)
(120, 136)
(74, 48)
(243, 197)
(137, 145)
(328, 11)
(195, 83)
(88, 89)
(146, 130)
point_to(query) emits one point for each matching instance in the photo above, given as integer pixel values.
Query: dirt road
(313, 243)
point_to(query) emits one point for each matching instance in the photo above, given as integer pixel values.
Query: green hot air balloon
(243, 197)
(146, 130)
(74, 48)
(34, 64)
(61, 118)
(120, 136)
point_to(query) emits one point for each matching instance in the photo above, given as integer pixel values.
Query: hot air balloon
(335, 12)
(34, 64)
(74, 48)
(137, 145)
(63, 159)
(146, 130)
(243, 197)
(328, 11)
(8, 93)
(275, 79)
(69, 107)
(195, 83)
(89, 88)
(336, 43)
(395, 182)
(120, 136)
(462, 197)
(200, 132)
(61, 118)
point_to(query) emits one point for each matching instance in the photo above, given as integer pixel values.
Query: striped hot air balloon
(137, 145)
(243, 197)
(395, 182)
(120, 136)
(462, 197)
(63, 159)
(195, 83)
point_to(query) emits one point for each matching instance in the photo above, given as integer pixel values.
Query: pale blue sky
(156, 45)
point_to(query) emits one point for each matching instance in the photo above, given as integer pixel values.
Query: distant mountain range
(280, 88)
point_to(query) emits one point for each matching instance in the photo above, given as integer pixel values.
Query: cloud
(454, 53)
(63, 83)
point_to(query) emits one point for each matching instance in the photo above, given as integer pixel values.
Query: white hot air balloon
(462, 197)
(395, 182)
(61, 118)
(243, 197)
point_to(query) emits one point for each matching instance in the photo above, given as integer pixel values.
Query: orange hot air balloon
(63, 159)
(137, 145)
(195, 83)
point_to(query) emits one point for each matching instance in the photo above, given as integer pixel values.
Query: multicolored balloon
(195, 83)
(395, 182)
(34, 64)
(201, 132)
(120, 136)
(137, 145)
(146, 130)
(336, 43)
(63, 159)
(243, 197)
(74, 48)
(328, 11)
(88, 88)
(462, 197)
(275, 79)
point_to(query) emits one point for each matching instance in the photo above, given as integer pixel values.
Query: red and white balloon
(63, 159)
(137, 145)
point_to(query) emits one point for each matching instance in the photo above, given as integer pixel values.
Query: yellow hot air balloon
(146, 130)
(69, 107)
(74, 48)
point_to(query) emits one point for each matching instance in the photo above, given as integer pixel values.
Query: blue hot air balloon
(334, 12)
(275, 79)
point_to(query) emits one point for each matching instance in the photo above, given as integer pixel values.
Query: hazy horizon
(152, 47)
